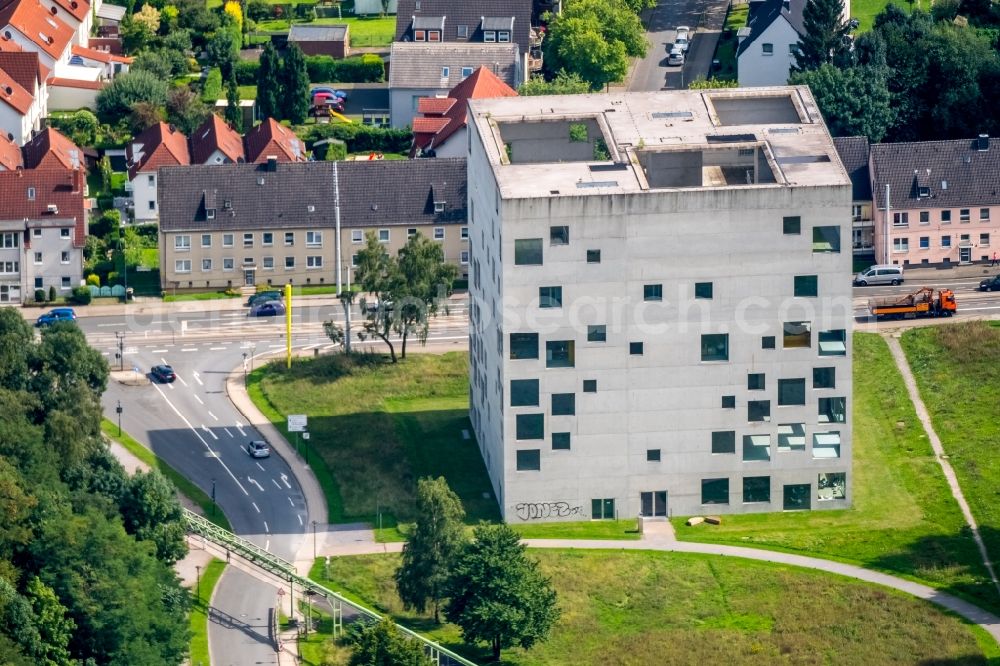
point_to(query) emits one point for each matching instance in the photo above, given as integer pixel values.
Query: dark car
(268, 309)
(56, 315)
(163, 373)
(263, 297)
(990, 284)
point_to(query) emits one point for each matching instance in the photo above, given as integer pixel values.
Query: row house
(853, 152)
(23, 95)
(274, 223)
(43, 216)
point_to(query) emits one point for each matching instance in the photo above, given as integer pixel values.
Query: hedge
(246, 72)
(211, 92)
(368, 68)
(366, 138)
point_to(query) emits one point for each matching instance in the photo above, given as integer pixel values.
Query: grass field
(363, 31)
(866, 10)
(201, 296)
(725, 50)
(199, 611)
(150, 257)
(646, 607)
(904, 519)
(957, 368)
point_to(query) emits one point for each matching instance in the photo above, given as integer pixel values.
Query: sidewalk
(978, 270)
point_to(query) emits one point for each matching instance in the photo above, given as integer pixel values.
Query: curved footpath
(356, 540)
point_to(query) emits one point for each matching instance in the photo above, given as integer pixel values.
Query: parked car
(683, 38)
(163, 373)
(268, 309)
(676, 57)
(332, 91)
(263, 297)
(990, 284)
(56, 315)
(373, 305)
(258, 449)
(879, 274)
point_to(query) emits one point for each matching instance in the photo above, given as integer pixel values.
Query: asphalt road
(703, 17)
(972, 303)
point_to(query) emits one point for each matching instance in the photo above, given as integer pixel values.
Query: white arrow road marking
(300, 519)
(214, 436)
(213, 416)
(261, 467)
(200, 401)
(228, 432)
(276, 485)
(255, 506)
(266, 530)
(254, 482)
(201, 439)
(284, 479)
(198, 379)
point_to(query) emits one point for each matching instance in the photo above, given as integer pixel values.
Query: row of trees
(86, 552)
(283, 85)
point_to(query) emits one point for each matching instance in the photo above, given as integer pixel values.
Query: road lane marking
(228, 432)
(267, 545)
(252, 480)
(216, 349)
(266, 529)
(189, 349)
(255, 506)
(261, 467)
(284, 480)
(214, 436)
(201, 439)
(170, 386)
(199, 401)
(240, 428)
(105, 353)
(198, 379)
(276, 485)
(159, 351)
(213, 415)
(300, 519)
(291, 502)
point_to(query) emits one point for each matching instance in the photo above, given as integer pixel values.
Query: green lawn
(957, 368)
(200, 599)
(866, 10)
(150, 257)
(248, 92)
(725, 50)
(904, 519)
(201, 296)
(671, 608)
(363, 31)
(587, 529)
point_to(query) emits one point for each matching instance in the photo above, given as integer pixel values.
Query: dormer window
(489, 36)
(466, 72)
(439, 206)
(445, 72)
(420, 35)
(433, 35)
(209, 213)
(503, 36)
(463, 32)
(924, 192)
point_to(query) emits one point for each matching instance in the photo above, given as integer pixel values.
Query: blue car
(329, 91)
(56, 315)
(268, 309)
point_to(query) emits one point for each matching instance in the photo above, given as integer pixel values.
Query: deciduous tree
(151, 512)
(577, 45)
(234, 114)
(564, 83)
(854, 101)
(115, 101)
(378, 274)
(383, 644)
(185, 109)
(425, 280)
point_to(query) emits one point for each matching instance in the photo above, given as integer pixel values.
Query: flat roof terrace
(573, 145)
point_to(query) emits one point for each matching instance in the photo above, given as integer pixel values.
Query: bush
(109, 221)
(304, 11)
(368, 68)
(94, 280)
(211, 92)
(81, 295)
(52, 293)
(116, 100)
(39, 295)
(366, 138)
(246, 72)
(258, 10)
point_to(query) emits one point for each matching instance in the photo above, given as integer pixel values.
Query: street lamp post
(213, 496)
(244, 369)
(118, 409)
(314, 539)
(197, 569)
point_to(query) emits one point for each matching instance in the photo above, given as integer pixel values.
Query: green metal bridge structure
(285, 571)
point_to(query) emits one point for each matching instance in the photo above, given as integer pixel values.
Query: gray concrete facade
(672, 225)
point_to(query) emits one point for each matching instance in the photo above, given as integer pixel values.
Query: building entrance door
(965, 255)
(654, 503)
(248, 277)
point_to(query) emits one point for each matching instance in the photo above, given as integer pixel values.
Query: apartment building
(854, 155)
(660, 304)
(235, 225)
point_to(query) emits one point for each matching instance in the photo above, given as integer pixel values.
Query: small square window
(767, 342)
(984, 214)
(755, 381)
(530, 426)
(559, 235)
(528, 252)
(550, 297)
(946, 216)
(806, 285)
(715, 347)
(729, 402)
(964, 215)
(826, 239)
(267, 238)
(383, 235)
(635, 348)
(924, 242)
(438, 233)
(563, 404)
(65, 282)
(833, 343)
(652, 455)
(590, 386)
(523, 345)
(715, 491)
(768, 49)
(357, 236)
(227, 240)
(724, 441)
(824, 378)
(756, 489)
(524, 393)
(832, 410)
(560, 354)
(759, 411)
(796, 497)
(792, 225)
(206, 240)
(652, 292)
(703, 290)
(925, 216)
(560, 441)
(289, 262)
(593, 256)
(791, 392)
(597, 333)
(529, 461)
(64, 232)
(945, 241)
(797, 335)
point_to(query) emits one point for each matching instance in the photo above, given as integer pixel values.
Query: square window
(227, 240)
(767, 342)
(796, 497)
(206, 240)
(715, 491)
(357, 236)
(900, 244)
(715, 347)
(247, 240)
(267, 238)
(652, 292)
(383, 235)
(590, 386)
(528, 252)
(758, 411)
(755, 381)
(37, 233)
(530, 426)
(463, 33)
(269, 263)
(438, 233)
(768, 49)
(946, 216)
(729, 402)
(826, 445)
(182, 242)
(703, 290)
(206, 264)
(289, 262)
(832, 410)
(652, 455)
(824, 378)
(593, 256)
(563, 404)
(559, 235)
(756, 489)
(826, 239)
(64, 232)
(529, 461)
(560, 354)
(833, 343)
(831, 486)
(791, 225)
(756, 448)
(925, 242)
(523, 345)
(984, 239)
(550, 297)
(597, 333)
(797, 335)
(228, 263)
(806, 285)
(901, 219)
(925, 217)
(524, 393)
(724, 442)
(560, 441)
(984, 214)
(791, 437)
(791, 392)
(635, 348)
(945, 241)
(65, 282)
(964, 215)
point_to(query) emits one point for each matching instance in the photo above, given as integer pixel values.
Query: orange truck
(926, 302)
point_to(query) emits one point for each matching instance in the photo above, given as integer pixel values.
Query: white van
(879, 274)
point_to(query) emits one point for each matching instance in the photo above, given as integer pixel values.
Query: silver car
(258, 449)
(676, 57)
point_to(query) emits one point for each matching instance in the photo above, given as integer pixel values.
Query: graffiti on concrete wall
(543, 510)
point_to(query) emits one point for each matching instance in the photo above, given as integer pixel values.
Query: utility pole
(314, 539)
(119, 410)
(121, 245)
(197, 569)
(213, 496)
(888, 212)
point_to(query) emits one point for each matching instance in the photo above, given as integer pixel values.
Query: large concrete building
(660, 304)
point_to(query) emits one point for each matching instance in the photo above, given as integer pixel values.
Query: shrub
(211, 92)
(258, 10)
(109, 221)
(94, 280)
(246, 72)
(305, 11)
(365, 138)
(368, 68)
(116, 100)
(39, 295)
(81, 296)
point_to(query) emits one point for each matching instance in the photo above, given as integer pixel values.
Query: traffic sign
(305, 435)
(296, 423)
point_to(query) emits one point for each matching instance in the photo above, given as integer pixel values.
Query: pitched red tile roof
(60, 82)
(214, 134)
(162, 145)
(10, 46)
(78, 8)
(273, 138)
(58, 187)
(99, 56)
(23, 68)
(35, 22)
(10, 154)
(429, 132)
(435, 105)
(13, 93)
(50, 149)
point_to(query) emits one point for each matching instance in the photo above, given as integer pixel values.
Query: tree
(431, 551)
(185, 110)
(235, 13)
(54, 627)
(151, 512)
(498, 595)
(148, 16)
(708, 84)
(824, 36)
(139, 29)
(269, 83)
(577, 45)
(222, 50)
(383, 644)
(234, 114)
(854, 101)
(115, 101)
(564, 83)
(425, 280)
(294, 101)
(144, 115)
(618, 23)
(378, 274)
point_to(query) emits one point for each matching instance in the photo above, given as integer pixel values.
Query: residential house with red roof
(215, 142)
(10, 155)
(160, 145)
(74, 13)
(43, 218)
(440, 130)
(22, 95)
(271, 139)
(32, 26)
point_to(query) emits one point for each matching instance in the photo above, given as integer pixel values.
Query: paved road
(972, 303)
(703, 17)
